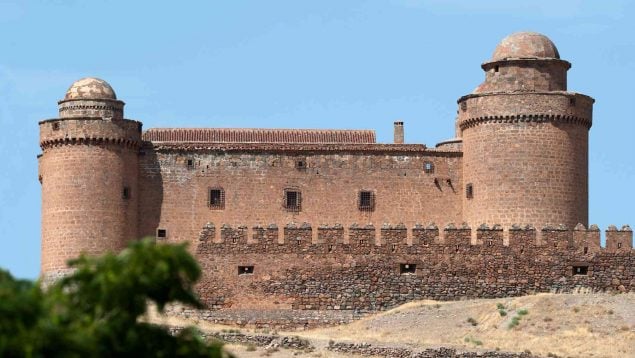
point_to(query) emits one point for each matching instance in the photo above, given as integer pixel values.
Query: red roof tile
(231, 135)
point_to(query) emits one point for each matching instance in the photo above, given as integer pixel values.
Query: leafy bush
(95, 312)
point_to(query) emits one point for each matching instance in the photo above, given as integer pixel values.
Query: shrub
(503, 313)
(522, 312)
(500, 306)
(472, 321)
(96, 311)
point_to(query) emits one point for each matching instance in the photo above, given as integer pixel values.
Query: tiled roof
(231, 135)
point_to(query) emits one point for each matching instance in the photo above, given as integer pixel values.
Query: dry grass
(602, 326)
(575, 325)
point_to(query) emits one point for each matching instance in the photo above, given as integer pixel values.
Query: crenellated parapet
(396, 239)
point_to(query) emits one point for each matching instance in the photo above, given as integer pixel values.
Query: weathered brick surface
(175, 196)
(363, 275)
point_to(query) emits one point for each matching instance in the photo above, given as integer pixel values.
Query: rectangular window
(428, 167)
(580, 270)
(190, 163)
(406, 269)
(245, 270)
(366, 200)
(216, 198)
(125, 193)
(162, 233)
(469, 191)
(292, 200)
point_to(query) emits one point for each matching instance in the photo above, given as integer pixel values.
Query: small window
(300, 164)
(190, 163)
(464, 106)
(619, 245)
(292, 200)
(125, 193)
(469, 191)
(216, 198)
(572, 101)
(496, 69)
(407, 269)
(428, 167)
(162, 233)
(586, 250)
(56, 126)
(580, 270)
(366, 200)
(245, 270)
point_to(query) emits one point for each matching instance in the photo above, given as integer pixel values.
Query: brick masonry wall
(174, 196)
(83, 169)
(526, 158)
(360, 268)
(525, 75)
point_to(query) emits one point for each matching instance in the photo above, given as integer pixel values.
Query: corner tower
(525, 139)
(89, 171)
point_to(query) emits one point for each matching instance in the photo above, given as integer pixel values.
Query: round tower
(525, 139)
(88, 170)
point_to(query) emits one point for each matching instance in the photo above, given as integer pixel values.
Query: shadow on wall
(150, 189)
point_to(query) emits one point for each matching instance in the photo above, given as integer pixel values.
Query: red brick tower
(89, 171)
(525, 139)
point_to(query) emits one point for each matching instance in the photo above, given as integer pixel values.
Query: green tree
(96, 311)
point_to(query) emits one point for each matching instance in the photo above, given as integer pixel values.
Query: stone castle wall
(364, 267)
(175, 185)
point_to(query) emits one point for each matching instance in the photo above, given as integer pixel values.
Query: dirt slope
(571, 325)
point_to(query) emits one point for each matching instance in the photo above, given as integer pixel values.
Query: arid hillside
(547, 325)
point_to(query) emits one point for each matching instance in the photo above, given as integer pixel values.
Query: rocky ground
(544, 325)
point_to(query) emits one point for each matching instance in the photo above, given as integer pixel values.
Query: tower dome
(525, 45)
(90, 88)
(90, 97)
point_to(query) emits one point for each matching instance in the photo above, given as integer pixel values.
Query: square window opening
(428, 167)
(125, 194)
(56, 126)
(407, 269)
(245, 270)
(366, 201)
(580, 270)
(216, 198)
(292, 200)
(300, 164)
(162, 233)
(190, 163)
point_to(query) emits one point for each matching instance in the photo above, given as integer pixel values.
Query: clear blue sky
(297, 64)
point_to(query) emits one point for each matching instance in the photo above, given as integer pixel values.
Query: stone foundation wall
(360, 269)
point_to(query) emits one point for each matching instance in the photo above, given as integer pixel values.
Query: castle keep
(331, 220)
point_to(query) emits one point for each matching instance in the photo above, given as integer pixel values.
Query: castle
(331, 220)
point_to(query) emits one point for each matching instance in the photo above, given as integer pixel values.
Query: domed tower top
(90, 88)
(525, 62)
(525, 45)
(91, 97)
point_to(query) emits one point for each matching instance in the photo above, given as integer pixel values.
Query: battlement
(387, 238)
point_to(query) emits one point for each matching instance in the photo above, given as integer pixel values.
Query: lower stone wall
(269, 318)
(370, 350)
(281, 277)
